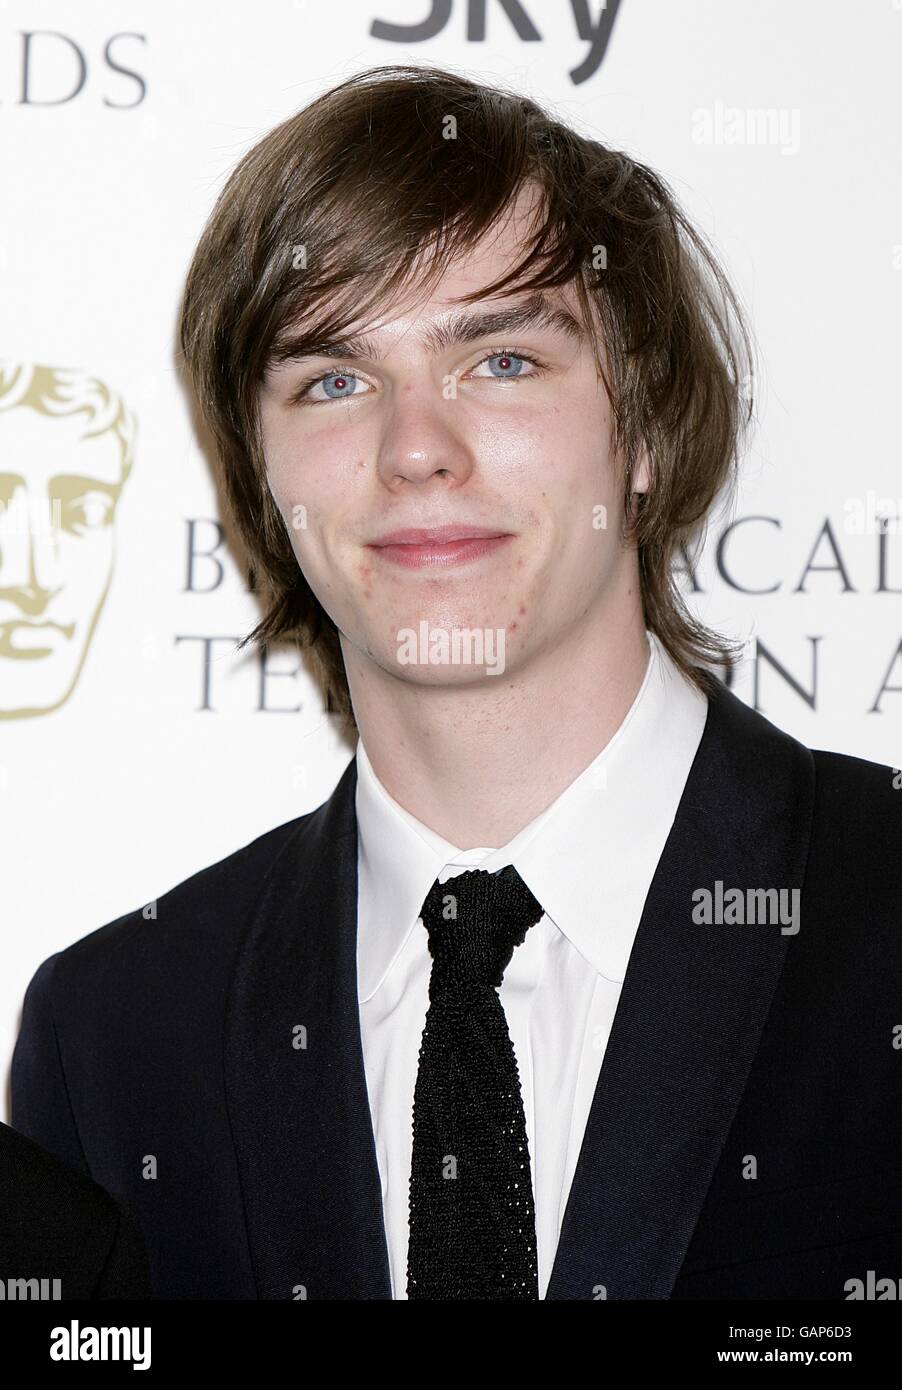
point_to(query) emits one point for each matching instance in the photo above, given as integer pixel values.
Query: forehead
(444, 308)
(497, 252)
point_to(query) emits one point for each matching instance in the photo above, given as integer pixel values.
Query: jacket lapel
(300, 1113)
(691, 1011)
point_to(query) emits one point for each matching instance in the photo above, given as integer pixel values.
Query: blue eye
(508, 364)
(340, 384)
(336, 385)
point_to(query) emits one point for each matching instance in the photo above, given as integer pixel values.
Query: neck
(478, 762)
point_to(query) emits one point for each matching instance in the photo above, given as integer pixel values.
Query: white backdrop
(135, 114)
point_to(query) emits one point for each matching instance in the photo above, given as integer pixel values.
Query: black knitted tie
(472, 1218)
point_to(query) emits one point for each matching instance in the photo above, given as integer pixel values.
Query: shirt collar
(589, 857)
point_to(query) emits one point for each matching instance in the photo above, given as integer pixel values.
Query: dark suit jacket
(174, 1038)
(57, 1224)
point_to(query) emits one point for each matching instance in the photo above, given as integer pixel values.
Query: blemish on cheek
(361, 463)
(365, 570)
(513, 627)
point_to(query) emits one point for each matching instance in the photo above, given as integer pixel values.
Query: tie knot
(474, 920)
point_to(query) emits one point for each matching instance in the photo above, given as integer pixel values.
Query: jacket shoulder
(857, 822)
(847, 809)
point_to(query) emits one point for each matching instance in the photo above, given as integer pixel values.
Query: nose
(422, 442)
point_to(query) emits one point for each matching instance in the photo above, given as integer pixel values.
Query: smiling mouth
(438, 547)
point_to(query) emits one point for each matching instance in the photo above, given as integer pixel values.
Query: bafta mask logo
(66, 448)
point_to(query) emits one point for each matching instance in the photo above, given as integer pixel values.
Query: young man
(583, 983)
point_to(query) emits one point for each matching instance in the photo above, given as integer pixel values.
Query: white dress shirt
(589, 859)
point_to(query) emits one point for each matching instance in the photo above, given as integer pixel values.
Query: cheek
(552, 443)
(296, 490)
(520, 444)
(312, 506)
(315, 466)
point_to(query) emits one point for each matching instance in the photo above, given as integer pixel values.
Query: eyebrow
(456, 330)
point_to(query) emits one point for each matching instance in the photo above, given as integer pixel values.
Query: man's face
(58, 492)
(509, 432)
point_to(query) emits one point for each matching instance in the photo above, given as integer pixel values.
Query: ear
(642, 473)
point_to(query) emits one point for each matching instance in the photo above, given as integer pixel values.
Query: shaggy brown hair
(373, 188)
